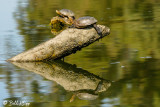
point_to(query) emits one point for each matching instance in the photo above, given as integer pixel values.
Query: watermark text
(16, 103)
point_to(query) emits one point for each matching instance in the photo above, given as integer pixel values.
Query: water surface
(128, 59)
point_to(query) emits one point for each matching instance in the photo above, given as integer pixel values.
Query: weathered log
(68, 76)
(65, 43)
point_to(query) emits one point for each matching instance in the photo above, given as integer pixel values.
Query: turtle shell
(66, 12)
(85, 21)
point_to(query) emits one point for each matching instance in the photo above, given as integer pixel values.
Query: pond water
(121, 70)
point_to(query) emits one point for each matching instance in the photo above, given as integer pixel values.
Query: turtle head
(72, 98)
(58, 12)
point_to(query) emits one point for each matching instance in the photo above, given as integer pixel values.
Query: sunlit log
(67, 42)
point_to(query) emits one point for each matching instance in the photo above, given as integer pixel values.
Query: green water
(121, 70)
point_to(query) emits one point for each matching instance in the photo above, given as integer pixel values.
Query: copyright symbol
(4, 102)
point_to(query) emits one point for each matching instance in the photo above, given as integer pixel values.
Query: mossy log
(67, 42)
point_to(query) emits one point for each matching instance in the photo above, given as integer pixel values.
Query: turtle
(67, 14)
(85, 22)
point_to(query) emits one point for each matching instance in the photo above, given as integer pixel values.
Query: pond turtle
(66, 13)
(87, 21)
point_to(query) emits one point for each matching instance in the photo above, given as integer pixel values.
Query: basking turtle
(67, 14)
(87, 21)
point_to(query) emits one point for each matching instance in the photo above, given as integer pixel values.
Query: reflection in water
(35, 86)
(90, 94)
(148, 14)
(84, 84)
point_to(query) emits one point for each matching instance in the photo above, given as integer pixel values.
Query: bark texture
(67, 42)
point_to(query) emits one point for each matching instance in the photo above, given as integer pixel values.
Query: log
(68, 76)
(67, 42)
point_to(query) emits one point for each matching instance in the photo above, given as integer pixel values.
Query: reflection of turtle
(87, 21)
(91, 94)
(66, 14)
(85, 95)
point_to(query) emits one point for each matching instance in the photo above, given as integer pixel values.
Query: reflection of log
(66, 43)
(67, 75)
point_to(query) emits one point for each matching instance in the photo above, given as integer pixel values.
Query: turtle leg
(97, 29)
(72, 26)
(71, 20)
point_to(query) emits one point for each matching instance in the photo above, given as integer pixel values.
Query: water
(121, 70)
